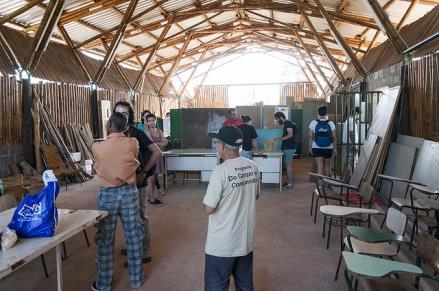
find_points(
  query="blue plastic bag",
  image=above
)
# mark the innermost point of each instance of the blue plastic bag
(36, 215)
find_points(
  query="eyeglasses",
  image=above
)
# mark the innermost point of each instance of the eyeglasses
(217, 142)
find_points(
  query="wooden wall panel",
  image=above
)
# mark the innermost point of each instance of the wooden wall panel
(211, 97)
(10, 111)
(423, 97)
(297, 92)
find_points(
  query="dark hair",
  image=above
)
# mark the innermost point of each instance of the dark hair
(118, 121)
(149, 116)
(246, 118)
(144, 112)
(279, 115)
(229, 112)
(130, 110)
(323, 110)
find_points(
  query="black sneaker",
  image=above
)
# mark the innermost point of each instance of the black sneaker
(284, 184)
(156, 202)
(93, 286)
(144, 261)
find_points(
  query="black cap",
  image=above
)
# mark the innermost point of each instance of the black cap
(229, 134)
(246, 118)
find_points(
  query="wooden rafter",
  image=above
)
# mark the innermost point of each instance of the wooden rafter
(106, 63)
(341, 41)
(312, 60)
(385, 25)
(323, 47)
(152, 53)
(69, 43)
(287, 8)
(175, 65)
(141, 51)
(117, 66)
(191, 75)
(19, 11)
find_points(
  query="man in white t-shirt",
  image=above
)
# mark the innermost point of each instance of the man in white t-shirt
(351, 138)
(230, 202)
(322, 138)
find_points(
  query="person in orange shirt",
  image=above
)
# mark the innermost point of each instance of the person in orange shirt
(116, 164)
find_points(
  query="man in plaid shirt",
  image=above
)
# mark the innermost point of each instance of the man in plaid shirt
(116, 164)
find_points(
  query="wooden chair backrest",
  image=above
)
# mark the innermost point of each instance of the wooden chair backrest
(52, 157)
(429, 250)
(366, 192)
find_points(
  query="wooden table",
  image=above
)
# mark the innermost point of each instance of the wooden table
(70, 222)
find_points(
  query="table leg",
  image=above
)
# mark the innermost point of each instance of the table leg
(59, 267)
(280, 174)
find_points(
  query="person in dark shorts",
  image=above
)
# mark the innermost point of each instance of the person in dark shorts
(249, 136)
(322, 138)
(289, 145)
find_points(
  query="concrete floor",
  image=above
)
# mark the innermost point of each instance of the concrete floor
(290, 253)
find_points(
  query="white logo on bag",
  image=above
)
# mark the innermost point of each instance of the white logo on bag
(28, 213)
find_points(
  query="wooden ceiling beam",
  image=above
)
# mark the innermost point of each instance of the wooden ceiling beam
(385, 25)
(287, 8)
(152, 53)
(117, 66)
(341, 41)
(88, 10)
(69, 43)
(171, 72)
(312, 59)
(310, 34)
(19, 11)
(42, 37)
(108, 60)
(323, 47)
(191, 76)
(141, 51)
(109, 31)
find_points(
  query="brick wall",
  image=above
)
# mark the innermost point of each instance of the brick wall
(390, 76)
(9, 155)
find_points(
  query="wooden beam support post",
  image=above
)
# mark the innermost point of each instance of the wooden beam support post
(69, 42)
(152, 53)
(312, 60)
(383, 21)
(42, 37)
(341, 41)
(108, 60)
(27, 128)
(175, 65)
(323, 47)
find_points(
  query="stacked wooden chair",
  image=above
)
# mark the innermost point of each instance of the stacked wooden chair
(57, 165)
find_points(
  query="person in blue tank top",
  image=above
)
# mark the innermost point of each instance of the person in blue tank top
(322, 138)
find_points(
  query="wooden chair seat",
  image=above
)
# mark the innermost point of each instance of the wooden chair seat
(378, 249)
(385, 284)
